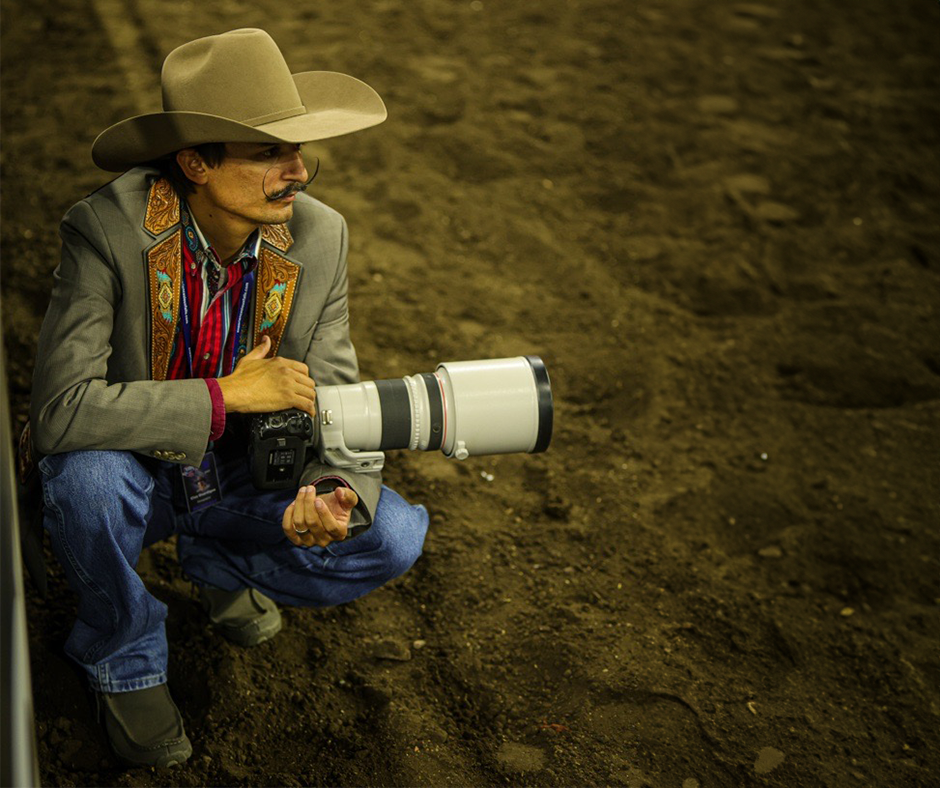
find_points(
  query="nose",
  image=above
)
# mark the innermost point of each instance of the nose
(294, 167)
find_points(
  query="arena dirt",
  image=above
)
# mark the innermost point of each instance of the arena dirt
(717, 224)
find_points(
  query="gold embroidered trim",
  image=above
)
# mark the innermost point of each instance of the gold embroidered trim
(277, 280)
(164, 267)
(163, 207)
(278, 236)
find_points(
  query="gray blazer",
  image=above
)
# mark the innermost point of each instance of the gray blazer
(105, 344)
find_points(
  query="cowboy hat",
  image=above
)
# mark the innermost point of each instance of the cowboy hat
(236, 87)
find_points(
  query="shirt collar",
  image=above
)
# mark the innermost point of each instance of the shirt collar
(247, 255)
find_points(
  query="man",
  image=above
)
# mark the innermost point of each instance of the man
(190, 293)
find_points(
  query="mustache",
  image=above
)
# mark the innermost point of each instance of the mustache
(292, 188)
(287, 192)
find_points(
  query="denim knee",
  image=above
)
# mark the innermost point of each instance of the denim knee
(111, 484)
(405, 528)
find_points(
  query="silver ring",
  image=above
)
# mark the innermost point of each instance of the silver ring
(305, 531)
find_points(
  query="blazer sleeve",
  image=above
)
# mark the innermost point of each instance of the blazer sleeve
(332, 360)
(73, 405)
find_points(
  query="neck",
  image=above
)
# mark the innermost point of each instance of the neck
(225, 232)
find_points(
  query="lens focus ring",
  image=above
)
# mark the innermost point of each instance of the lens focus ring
(417, 412)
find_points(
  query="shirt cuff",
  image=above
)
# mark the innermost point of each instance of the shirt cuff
(327, 484)
(218, 409)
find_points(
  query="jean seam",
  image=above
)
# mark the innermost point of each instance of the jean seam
(88, 656)
(276, 570)
(221, 508)
(129, 685)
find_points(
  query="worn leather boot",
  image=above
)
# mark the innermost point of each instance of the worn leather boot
(145, 727)
(246, 617)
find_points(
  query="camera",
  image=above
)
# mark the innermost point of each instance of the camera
(463, 409)
(278, 448)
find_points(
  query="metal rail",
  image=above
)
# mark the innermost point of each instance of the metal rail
(18, 761)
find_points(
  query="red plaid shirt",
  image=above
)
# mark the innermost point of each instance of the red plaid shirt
(213, 294)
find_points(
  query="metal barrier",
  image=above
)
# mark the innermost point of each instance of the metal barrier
(18, 762)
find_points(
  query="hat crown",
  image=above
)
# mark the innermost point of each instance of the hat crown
(240, 75)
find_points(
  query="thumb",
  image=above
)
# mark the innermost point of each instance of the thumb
(261, 349)
(347, 498)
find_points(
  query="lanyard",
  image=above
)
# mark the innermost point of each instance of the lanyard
(186, 321)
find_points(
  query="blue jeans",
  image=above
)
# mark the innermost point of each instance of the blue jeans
(103, 507)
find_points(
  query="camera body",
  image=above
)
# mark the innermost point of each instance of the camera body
(278, 448)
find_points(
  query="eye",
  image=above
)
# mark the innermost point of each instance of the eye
(270, 153)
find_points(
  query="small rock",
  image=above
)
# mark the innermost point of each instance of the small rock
(770, 552)
(846, 611)
(756, 11)
(717, 105)
(747, 184)
(391, 648)
(69, 749)
(419, 644)
(775, 212)
(768, 759)
(517, 757)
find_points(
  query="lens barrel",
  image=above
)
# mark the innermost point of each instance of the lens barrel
(463, 408)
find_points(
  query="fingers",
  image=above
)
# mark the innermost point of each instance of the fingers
(287, 525)
(297, 526)
(304, 404)
(337, 531)
(308, 521)
(322, 532)
(261, 349)
(296, 366)
(347, 498)
(304, 398)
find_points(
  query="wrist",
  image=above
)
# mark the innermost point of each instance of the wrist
(229, 394)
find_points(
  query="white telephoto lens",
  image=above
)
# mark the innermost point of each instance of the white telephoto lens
(464, 408)
(496, 406)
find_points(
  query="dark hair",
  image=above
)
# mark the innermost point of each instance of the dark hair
(212, 153)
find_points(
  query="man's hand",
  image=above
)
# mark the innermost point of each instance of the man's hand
(309, 520)
(262, 385)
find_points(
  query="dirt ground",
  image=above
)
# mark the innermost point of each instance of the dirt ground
(717, 224)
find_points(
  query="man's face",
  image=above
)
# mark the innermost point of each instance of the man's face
(250, 175)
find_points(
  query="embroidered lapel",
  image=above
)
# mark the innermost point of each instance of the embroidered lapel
(274, 291)
(163, 208)
(164, 269)
(278, 236)
(274, 296)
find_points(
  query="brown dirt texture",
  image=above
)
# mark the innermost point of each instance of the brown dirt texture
(717, 224)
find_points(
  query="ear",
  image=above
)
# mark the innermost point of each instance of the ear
(192, 165)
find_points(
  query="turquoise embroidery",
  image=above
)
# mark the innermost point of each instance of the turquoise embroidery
(165, 295)
(273, 305)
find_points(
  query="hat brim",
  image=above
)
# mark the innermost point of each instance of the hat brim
(336, 104)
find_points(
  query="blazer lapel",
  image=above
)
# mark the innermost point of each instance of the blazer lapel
(276, 282)
(276, 279)
(164, 269)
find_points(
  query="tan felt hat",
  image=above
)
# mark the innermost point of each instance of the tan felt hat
(236, 87)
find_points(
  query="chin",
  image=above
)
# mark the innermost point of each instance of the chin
(278, 213)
